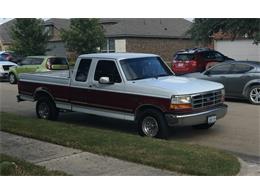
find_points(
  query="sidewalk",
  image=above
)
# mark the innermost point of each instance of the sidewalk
(77, 162)
(71, 161)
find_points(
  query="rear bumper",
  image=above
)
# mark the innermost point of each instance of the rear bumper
(195, 118)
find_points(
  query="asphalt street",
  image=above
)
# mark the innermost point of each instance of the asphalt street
(237, 132)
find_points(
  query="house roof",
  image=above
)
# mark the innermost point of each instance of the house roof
(58, 23)
(146, 27)
(122, 27)
(5, 32)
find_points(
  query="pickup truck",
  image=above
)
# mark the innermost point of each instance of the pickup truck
(129, 86)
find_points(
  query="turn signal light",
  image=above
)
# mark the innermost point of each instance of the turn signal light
(180, 106)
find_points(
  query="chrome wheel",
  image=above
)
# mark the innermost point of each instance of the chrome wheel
(44, 110)
(150, 126)
(255, 95)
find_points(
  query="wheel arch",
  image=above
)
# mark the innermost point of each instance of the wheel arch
(39, 92)
(143, 107)
(249, 85)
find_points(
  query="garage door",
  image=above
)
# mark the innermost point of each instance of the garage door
(239, 49)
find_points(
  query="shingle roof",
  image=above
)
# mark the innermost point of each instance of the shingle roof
(146, 27)
(58, 23)
(5, 32)
(123, 27)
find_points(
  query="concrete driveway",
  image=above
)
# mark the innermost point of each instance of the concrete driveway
(238, 132)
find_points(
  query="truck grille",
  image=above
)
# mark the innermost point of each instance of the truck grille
(206, 99)
(6, 67)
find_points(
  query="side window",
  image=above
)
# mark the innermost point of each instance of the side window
(219, 69)
(218, 56)
(26, 61)
(107, 68)
(241, 68)
(37, 61)
(83, 69)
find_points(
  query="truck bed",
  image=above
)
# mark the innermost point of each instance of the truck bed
(51, 77)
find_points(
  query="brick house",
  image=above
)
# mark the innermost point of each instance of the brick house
(150, 35)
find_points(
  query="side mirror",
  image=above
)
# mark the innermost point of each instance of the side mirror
(105, 80)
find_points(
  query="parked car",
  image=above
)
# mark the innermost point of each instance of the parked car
(128, 86)
(10, 56)
(196, 60)
(240, 78)
(37, 64)
(4, 68)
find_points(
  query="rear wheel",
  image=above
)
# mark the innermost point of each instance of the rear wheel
(12, 78)
(46, 109)
(254, 94)
(151, 123)
(203, 126)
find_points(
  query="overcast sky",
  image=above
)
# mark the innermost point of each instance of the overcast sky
(3, 20)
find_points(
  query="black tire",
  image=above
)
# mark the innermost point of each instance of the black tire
(158, 118)
(12, 78)
(250, 92)
(46, 109)
(203, 126)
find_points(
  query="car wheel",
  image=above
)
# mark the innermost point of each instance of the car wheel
(12, 78)
(203, 126)
(46, 109)
(151, 123)
(254, 94)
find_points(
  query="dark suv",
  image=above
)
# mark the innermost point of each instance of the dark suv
(196, 60)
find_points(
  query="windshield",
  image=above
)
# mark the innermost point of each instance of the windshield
(58, 61)
(184, 57)
(141, 68)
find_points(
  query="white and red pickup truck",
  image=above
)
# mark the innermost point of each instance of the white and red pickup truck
(129, 86)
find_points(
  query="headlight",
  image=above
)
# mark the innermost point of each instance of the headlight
(181, 102)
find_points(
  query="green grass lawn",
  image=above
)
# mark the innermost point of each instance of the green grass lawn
(10, 166)
(170, 155)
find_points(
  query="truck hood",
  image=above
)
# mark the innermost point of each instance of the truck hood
(174, 85)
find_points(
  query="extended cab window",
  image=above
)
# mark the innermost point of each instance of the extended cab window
(83, 69)
(107, 68)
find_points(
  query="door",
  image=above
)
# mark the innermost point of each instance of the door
(219, 73)
(109, 95)
(238, 78)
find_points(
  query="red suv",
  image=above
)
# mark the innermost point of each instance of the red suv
(196, 60)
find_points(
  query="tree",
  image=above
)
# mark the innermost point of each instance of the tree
(84, 35)
(202, 30)
(29, 37)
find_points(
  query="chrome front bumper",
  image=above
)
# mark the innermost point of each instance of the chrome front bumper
(195, 118)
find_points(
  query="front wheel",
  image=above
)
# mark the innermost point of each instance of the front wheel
(254, 94)
(151, 123)
(46, 109)
(12, 78)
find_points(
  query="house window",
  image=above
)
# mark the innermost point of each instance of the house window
(49, 30)
(109, 47)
